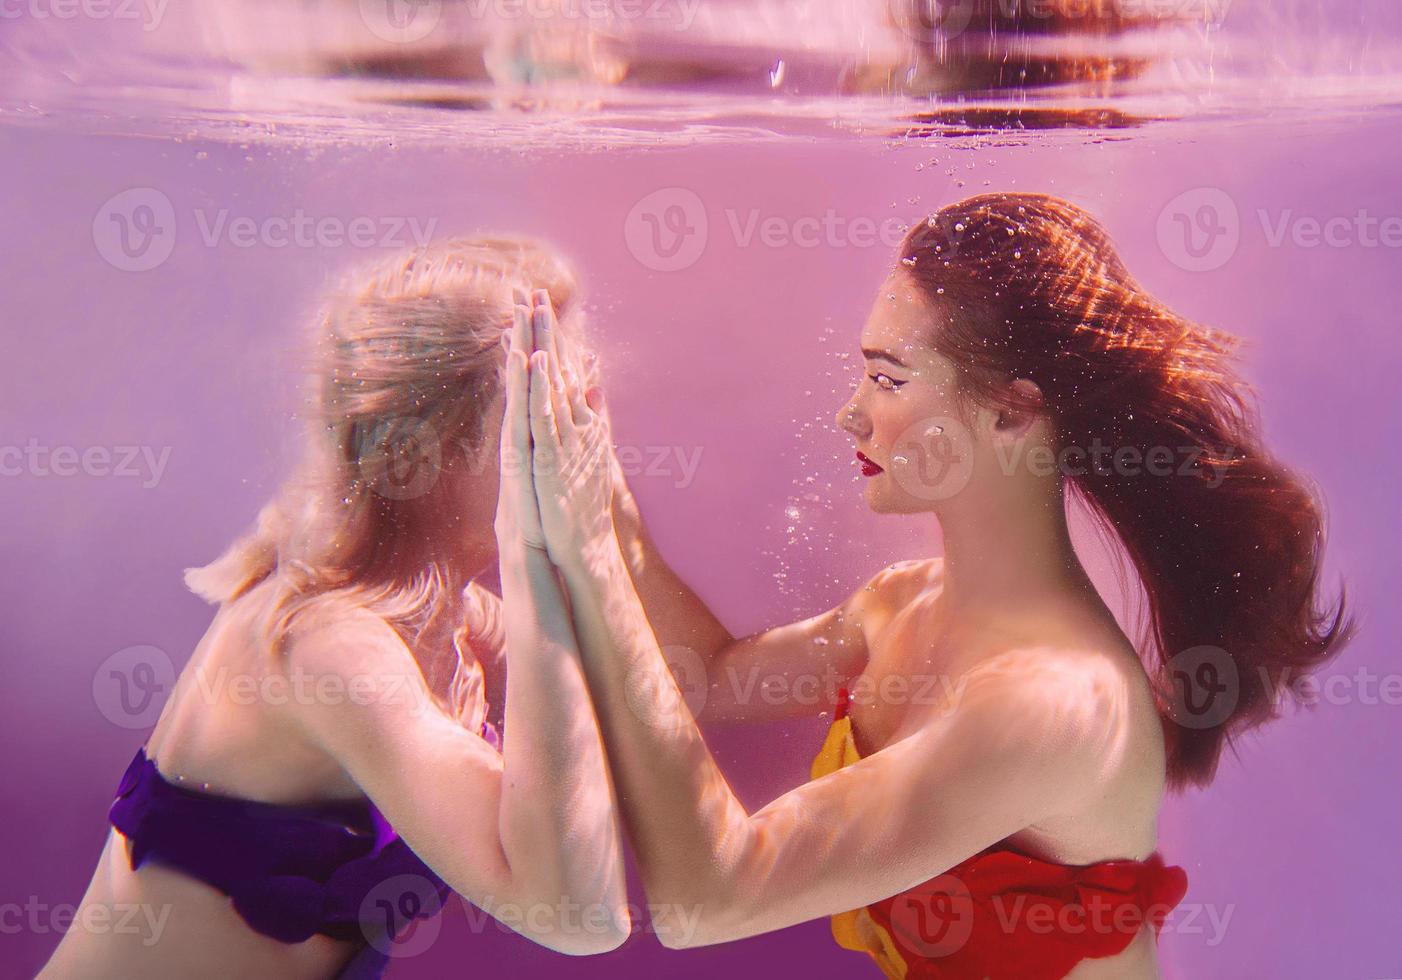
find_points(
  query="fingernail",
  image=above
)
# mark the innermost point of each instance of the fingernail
(542, 297)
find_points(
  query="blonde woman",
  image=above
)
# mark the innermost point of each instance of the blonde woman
(296, 832)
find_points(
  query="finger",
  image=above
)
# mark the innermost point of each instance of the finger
(560, 406)
(522, 336)
(543, 435)
(574, 392)
(544, 323)
(516, 431)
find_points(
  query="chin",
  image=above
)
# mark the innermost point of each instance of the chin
(879, 500)
(882, 500)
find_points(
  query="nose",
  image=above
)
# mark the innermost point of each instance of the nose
(854, 421)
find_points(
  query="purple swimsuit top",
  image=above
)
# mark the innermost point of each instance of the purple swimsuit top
(335, 869)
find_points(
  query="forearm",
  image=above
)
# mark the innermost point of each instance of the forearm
(557, 819)
(677, 614)
(684, 820)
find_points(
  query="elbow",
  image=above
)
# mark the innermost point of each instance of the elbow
(579, 946)
(679, 927)
(587, 941)
(687, 920)
(571, 927)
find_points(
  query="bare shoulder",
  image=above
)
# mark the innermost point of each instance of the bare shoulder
(899, 583)
(1072, 698)
(335, 635)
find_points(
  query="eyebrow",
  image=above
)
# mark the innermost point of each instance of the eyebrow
(881, 355)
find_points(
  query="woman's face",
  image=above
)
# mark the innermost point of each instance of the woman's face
(913, 443)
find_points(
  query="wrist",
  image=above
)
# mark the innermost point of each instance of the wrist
(592, 559)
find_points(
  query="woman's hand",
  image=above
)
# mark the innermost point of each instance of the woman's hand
(572, 459)
(517, 521)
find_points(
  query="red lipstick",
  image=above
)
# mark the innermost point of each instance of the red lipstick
(868, 467)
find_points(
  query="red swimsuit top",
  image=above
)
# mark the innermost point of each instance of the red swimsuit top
(1002, 914)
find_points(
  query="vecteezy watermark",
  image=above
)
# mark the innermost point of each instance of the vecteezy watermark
(668, 698)
(820, 688)
(136, 230)
(144, 463)
(1101, 459)
(401, 21)
(1201, 230)
(115, 919)
(399, 916)
(130, 687)
(929, 21)
(1205, 687)
(933, 459)
(936, 919)
(672, 702)
(148, 13)
(567, 917)
(669, 229)
(1363, 686)
(408, 21)
(399, 458)
(296, 685)
(402, 458)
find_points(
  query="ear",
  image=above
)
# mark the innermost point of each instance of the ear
(1027, 409)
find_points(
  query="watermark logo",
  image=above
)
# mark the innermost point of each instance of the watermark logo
(1205, 687)
(129, 687)
(1199, 230)
(930, 21)
(135, 230)
(148, 13)
(399, 916)
(934, 919)
(399, 458)
(141, 921)
(146, 464)
(667, 230)
(657, 700)
(401, 21)
(933, 459)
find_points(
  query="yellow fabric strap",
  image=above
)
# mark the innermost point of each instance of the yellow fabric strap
(855, 930)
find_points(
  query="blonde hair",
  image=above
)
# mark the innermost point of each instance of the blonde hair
(407, 365)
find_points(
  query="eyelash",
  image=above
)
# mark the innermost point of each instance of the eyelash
(894, 384)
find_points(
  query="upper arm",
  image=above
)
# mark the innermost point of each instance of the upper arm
(436, 782)
(1024, 739)
(794, 671)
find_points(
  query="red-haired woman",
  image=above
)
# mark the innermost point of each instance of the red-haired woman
(986, 801)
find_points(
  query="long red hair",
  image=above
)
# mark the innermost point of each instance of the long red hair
(1228, 550)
